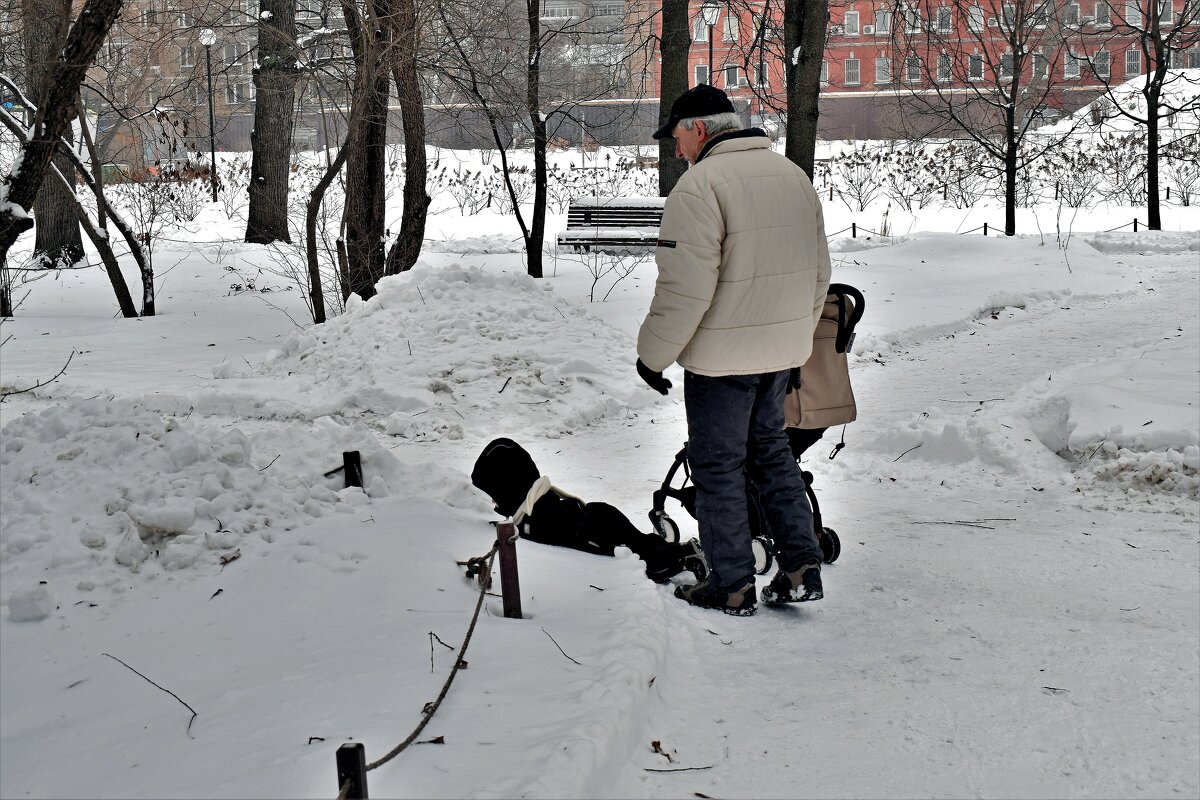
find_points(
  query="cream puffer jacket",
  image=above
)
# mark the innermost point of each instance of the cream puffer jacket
(743, 264)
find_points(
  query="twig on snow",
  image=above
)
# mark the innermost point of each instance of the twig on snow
(559, 648)
(168, 691)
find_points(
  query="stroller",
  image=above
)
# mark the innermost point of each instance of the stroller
(807, 421)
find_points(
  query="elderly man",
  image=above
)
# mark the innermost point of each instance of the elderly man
(743, 269)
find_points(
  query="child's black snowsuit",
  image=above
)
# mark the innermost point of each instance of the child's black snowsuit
(506, 473)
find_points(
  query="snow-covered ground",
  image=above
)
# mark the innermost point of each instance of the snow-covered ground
(1016, 612)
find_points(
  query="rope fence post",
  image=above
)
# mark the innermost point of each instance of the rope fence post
(853, 230)
(352, 771)
(352, 461)
(985, 229)
(1135, 224)
(510, 585)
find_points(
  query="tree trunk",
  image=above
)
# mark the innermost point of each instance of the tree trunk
(1011, 144)
(407, 247)
(316, 292)
(1153, 207)
(366, 164)
(537, 223)
(57, 239)
(673, 78)
(275, 80)
(54, 116)
(804, 25)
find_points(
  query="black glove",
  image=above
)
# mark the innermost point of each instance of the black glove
(654, 380)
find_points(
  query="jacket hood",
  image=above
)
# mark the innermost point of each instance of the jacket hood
(505, 472)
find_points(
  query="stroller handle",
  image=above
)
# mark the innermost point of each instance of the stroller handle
(845, 333)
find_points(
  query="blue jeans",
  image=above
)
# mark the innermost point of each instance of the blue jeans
(735, 432)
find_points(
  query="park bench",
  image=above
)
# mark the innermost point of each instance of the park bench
(614, 225)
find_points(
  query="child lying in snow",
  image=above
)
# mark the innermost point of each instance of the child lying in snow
(543, 513)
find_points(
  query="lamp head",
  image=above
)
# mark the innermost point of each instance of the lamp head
(709, 13)
(208, 37)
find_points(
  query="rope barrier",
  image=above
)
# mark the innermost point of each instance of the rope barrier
(430, 709)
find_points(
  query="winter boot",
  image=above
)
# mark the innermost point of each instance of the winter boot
(677, 558)
(739, 602)
(801, 586)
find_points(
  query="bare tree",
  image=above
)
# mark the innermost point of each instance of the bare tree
(673, 81)
(1151, 38)
(57, 237)
(406, 36)
(57, 107)
(987, 70)
(804, 26)
(275, 79)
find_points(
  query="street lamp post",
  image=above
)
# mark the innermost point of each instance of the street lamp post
(709, 13)
(208, 38)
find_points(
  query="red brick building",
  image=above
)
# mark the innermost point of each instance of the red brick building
(879, 54)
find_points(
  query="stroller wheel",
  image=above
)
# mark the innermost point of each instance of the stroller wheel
(831, 545)
(664, 526)
(763, 557)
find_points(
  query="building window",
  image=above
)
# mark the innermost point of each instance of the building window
(1102, 64)
(1177, 58)
(233, 94)
(1071, 66)
(761, 76)
(1194, 58)
(1133, 13)
(912, 68)
(699, 30)
(701, 74)
(975, 18)
(945, 19)
(883, 22)
(850, 20)
(1103, 16)
(824, 72)
(943, 68)
(1039, 65)
(187, 56)
(733, 76)
(1166, 12)
(1039, 15)
(149, 16)
(731, 28)
(1071, 14)
(609, 10)
(230, 55)
(975, 67)
(912, 20)
(1006, 65)
(185, 19)
(1133, 62)
(883, 70)
(851, 72)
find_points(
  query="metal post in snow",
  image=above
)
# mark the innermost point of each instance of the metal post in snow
(352, 461)
(352, 767)
(1135, 224)
(853, 230)
(985, 229)
(510, 586)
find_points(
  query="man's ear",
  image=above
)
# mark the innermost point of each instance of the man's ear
(703, 129)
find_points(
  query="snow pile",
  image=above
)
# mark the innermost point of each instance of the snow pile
(100, 483)
(440, 351)
(928, 275)
(1181, 88)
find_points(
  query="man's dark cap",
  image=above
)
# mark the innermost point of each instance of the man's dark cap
(699, 101)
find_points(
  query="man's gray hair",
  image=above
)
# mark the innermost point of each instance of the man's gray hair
(714, 123)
